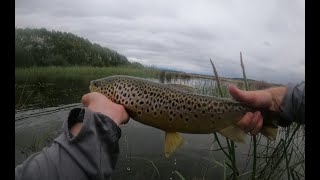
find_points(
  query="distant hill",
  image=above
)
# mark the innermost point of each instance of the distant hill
(40, 47)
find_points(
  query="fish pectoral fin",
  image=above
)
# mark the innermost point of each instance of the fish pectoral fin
(270, 132)
(234, 133)
(172, 142)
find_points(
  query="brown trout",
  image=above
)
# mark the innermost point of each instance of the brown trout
(172, 110)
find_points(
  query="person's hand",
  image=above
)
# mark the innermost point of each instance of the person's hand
(269, 98)
(99, 103)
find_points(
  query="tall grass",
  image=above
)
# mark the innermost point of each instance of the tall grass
(75, 72)
(274, 160)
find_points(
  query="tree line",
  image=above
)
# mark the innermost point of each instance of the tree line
(40, 47)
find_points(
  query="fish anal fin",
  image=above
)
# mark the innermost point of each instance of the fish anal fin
(234, 133)
(172, 142)
(270, 132)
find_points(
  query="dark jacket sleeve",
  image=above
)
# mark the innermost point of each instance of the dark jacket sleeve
(92, 154)
(292, 107)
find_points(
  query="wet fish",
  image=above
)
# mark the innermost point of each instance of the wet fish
(173, 110)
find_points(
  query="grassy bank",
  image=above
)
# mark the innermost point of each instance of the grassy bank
(33, 73)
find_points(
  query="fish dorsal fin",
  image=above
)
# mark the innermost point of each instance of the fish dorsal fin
(234, 133)
(183, 88)
(172, 142)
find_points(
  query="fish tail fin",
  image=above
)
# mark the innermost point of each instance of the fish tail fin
(172, 142)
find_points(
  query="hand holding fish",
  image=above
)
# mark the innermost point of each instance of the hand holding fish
(179, 111)
(99, 103)
(269, 98)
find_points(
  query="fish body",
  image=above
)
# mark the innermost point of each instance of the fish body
(172, 110)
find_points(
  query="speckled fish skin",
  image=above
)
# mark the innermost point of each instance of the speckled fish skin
(161, 106)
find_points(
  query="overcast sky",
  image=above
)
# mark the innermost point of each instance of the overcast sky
(184, 35)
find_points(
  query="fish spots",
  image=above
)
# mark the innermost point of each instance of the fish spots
(139, 112)
(186, 120)
(170, 120)
(215, 103)
(133, 95)
(131, 103)
(155, 114)
(181, 116)
(195, 115)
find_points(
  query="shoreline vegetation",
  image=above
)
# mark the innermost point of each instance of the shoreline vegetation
(43, 53)
(75, 72)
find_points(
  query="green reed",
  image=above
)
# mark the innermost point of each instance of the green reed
(270, 160)
(74, 72)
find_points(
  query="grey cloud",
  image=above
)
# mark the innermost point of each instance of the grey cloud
(185, 35)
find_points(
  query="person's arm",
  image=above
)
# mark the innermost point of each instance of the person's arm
(292, 108)
(87, 149)
(288, 100)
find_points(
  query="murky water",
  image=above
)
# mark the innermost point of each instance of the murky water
(44, 105)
